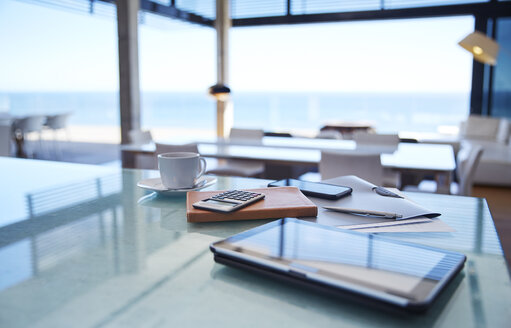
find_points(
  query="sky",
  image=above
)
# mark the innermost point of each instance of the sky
(51, 49)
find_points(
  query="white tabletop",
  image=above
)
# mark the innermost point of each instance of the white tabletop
(421, 157)
(269, 141)
(427, 157)
(413, 156)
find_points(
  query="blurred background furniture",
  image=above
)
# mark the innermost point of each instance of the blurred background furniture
(363, 138)
(239, 167)
(485, 129)
(467, 160)
(494, 168)
(278, 134)
(5, 139)
(190, 147)
(414, 158)
(246, 134)
(5, 118)
(347, 128)
(371, 141)
(25, 126)
(493, 135)
(140, 137)
(329, 134)
(56, 123)
(168, 148)
(364, 165)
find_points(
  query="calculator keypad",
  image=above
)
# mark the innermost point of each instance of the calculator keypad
(239, 195)
(229, 201)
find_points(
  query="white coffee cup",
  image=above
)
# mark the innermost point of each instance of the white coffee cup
(180, 170)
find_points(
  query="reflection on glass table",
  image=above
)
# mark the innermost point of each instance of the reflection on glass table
(81, 245)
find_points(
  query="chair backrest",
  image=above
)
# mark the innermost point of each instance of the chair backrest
(167, 148)
(468, 159)
(504, 131)
(152, 163)
(31, 123)
(365, 138)
(58, 121)
(246, 133)
(480, 127)
(140, 137)
(329, 134)
(364, 165)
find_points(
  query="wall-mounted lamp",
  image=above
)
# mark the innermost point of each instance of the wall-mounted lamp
(484, 49)
(220, 92)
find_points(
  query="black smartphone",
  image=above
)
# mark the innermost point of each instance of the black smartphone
(314, 189)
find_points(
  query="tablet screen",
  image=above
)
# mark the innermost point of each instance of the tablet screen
(373, 262)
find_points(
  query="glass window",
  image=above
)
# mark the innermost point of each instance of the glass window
(400, 75)
(177, 66)
(501, 100)
(61, 60)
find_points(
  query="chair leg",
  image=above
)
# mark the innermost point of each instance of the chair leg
(20, 142)
(29, 147)
(443, 182)
(68, 138)
(40, 154)
(56, 143)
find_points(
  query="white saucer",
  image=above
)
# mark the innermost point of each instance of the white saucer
(155, 184)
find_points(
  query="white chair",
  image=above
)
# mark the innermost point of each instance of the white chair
(467, 161)
(364, 138)
(140, 137)
(504, 131)
(246, 134)
(150, 162)
(56, 123)
(236, 167)
(143, 161)
(364, 165)
(485, 129)
(191, 147)
(25, 126)
(329, 134)
(168, 148)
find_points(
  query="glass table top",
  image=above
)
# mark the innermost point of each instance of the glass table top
(82, 246)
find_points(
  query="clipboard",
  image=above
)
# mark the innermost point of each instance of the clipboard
(365, 197)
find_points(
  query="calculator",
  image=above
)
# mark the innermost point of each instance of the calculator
(229, 201)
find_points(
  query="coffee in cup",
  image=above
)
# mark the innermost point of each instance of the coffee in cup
(181, 170)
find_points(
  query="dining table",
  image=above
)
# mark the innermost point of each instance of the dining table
(419, 159)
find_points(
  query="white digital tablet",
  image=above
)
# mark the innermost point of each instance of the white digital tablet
(402, 274)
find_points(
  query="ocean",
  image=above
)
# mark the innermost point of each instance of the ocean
(272, 111)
